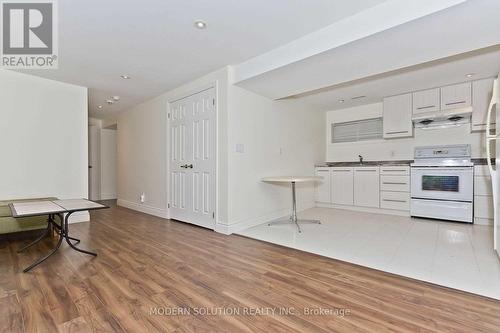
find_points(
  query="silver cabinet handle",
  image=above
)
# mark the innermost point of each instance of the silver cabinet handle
(394, 183)
(394, 200)
(341, 170)
(397, 132)
(394, 170)
(455, 103)
(369, 170)
(426, 107)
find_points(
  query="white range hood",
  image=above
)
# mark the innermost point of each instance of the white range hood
(443, 118)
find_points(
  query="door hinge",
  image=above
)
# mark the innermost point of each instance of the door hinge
(213, 215)
(168, 205)
(213, 101)
(169, 115)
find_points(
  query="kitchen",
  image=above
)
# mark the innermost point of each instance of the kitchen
(406, 187)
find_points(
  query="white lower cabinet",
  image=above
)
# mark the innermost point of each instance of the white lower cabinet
(367, 186)
(342, 186)
(483, 197)
(386, 188)
(323, 187)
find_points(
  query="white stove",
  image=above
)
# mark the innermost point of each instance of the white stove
(442, 183)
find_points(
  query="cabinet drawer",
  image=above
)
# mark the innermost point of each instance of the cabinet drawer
(395, 183)
(483, 207)
(395, 170)
(395, 200)
(482, 186)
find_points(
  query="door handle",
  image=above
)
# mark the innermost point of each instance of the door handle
(187, 166)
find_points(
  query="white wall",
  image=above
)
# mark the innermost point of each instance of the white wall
(108, 164)
(262, 125)
(43, 130)
(394, 149)
(142, 148)
(279, 138)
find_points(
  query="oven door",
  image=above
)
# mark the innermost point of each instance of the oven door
(442, 183)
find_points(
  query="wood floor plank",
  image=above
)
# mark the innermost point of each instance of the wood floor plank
(147, 263)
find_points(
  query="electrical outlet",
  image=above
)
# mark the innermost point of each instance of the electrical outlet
(240, 148)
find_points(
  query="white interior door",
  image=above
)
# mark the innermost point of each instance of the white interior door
(94, 163)
(193, 159)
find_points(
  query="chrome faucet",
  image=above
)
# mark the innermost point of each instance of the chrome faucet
(360, 159)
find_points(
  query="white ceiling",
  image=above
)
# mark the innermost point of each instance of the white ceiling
(484, 63)
(462, 28)
(154, 41)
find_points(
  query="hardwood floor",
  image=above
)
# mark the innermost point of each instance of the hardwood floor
(148, 267)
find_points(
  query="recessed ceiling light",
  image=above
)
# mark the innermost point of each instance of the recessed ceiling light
(470, 75)
(116, 98)
(125, 77)
(110, 101)
(200, 24)
(341, 101)
(99, 107)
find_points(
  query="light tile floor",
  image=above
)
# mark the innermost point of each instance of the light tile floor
(455, 255)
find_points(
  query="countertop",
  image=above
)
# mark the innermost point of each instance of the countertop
(476, 161)
(365, 163)
(482, 161)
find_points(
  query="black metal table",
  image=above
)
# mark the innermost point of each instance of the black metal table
(63, 209)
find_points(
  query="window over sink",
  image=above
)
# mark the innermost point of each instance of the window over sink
(360, 130)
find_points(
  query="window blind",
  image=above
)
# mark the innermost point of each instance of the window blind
(361, 130)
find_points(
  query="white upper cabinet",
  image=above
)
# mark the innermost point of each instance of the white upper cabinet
(397, 116)
(367, 187)
(342, 186)
(323, 187)
(456, 96)
(481, 96)
(426, 101)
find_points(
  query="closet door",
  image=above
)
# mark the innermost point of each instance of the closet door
(192, 159)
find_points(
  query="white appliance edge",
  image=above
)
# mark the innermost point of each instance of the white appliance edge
(495, 177)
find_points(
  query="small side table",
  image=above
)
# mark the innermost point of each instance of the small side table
(293, 180)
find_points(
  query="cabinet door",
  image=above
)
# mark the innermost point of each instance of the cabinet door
(483, 207)
(366, 187)
(456, 96)
(323, 187)
(482, 91)
(342, 186)
(426, 101)
(397, 116)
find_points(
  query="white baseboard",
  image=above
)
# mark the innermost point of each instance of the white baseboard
(78, 217)
(160, 212)
(108, 196)
(364, 209)
(228, 229)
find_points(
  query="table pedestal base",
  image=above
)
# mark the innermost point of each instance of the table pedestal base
(293, 218)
